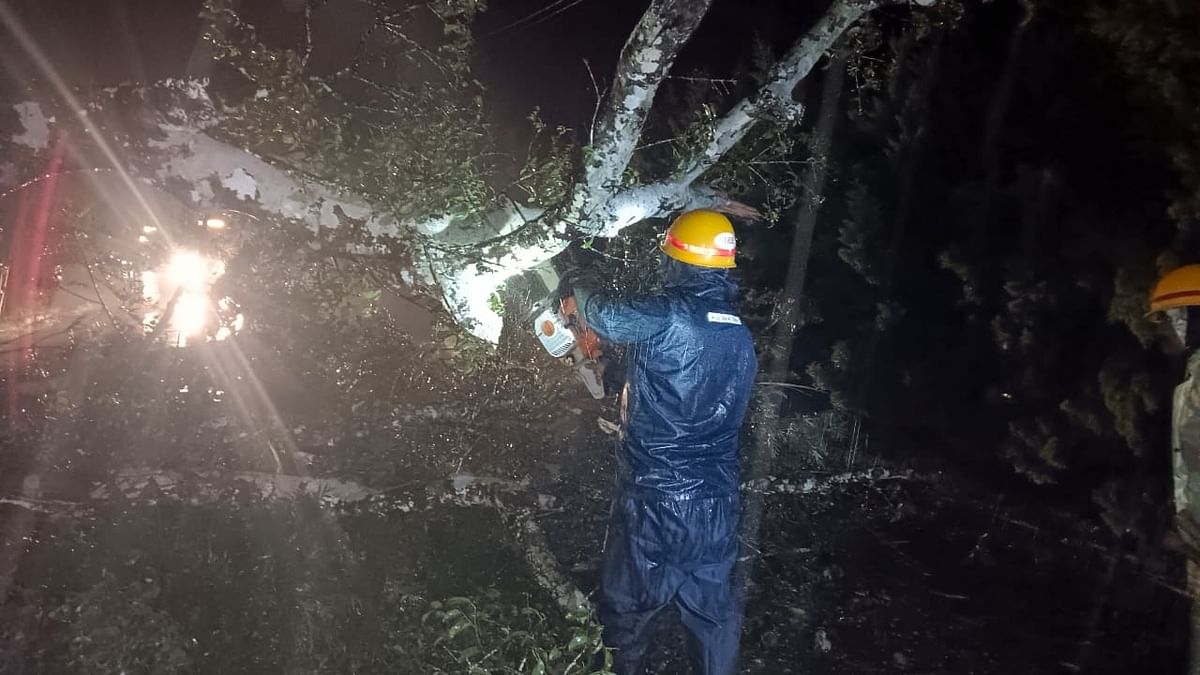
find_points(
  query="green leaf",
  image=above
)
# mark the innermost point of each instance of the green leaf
(458, 628)
(578, 641)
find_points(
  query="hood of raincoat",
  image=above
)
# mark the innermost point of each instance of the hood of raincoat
(690, 373)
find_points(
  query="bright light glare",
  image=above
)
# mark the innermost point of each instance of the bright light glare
(215, 223)
(150, 290)
(149, 229)
(191, 313)
(192, 274)
(189, 270)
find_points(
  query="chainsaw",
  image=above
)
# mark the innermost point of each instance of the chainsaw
(563, 332)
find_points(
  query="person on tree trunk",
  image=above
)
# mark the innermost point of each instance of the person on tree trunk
(672, 538)
(1177, 298)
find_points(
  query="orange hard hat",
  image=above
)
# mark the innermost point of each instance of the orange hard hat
(702, 238)
(1178, 288)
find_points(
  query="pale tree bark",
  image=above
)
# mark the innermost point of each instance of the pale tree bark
(517, 502)
(460, 262)
(775, 98)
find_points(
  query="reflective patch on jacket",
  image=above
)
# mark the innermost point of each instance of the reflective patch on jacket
(720, 317)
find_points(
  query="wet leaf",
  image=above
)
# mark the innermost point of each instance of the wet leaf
(458, 628)
(578, 641)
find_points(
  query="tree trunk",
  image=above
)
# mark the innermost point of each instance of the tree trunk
(909, 167)
(776, 364)
(989, 151)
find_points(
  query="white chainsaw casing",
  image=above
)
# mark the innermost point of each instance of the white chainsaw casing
(554, 335)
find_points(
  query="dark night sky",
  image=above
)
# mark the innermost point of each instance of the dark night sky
(110, 40)
(535, 63)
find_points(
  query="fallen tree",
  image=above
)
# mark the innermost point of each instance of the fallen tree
(403, 156)
(518, 503)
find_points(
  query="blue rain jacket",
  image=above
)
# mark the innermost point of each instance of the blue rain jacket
(691, 369)
(672, 539)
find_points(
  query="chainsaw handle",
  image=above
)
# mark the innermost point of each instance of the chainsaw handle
(589, 342)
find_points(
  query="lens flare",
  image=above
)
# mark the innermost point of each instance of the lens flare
(189, 270)
(190, 315)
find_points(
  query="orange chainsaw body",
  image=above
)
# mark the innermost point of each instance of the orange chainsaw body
(586, 338)
(564, 333)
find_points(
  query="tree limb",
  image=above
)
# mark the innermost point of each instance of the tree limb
(774, 98)
(645, 60)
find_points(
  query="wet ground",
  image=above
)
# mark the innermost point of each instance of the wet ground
(893, 576)
(915, 575)
(907, 575)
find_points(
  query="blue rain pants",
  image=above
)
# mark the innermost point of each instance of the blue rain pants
(672, 552)
(673, 535)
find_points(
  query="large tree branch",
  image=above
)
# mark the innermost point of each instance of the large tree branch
(645, 61)
(775, 97)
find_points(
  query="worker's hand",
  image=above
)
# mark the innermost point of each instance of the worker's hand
(577, 278)
(583, 295)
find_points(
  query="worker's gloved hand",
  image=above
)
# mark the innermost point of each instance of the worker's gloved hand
(582, 295)
(575, 279)
(581, 282)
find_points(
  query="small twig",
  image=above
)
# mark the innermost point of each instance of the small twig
(417, 47)
(656, 143)
(528, 17)
(599, 103)
(308, 43)
(71, 326)
(722, 80)
(87, 264)
(54, 174)
(789, 385)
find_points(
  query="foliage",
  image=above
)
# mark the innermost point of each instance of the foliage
(484, 636)
(1153, 42)
(402, 121)
(985, 286)
(256, 587)
(324, 377)
(118, 629)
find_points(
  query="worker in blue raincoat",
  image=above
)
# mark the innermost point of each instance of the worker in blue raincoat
(673, 535)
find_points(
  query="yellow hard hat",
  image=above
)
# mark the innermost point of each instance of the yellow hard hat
(702, 238)
(1178, 288)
